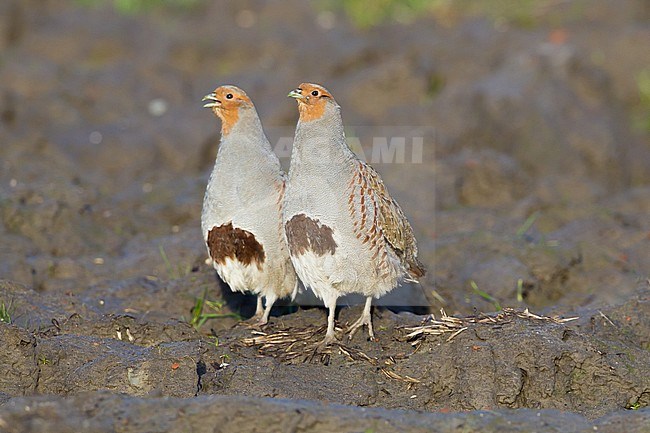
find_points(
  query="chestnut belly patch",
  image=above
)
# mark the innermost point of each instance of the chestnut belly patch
(228, 242)
(308, 234)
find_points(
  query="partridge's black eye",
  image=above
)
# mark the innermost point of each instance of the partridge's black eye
(314, 93)
(229, 96)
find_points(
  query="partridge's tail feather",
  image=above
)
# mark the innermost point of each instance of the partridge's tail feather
(415, 268)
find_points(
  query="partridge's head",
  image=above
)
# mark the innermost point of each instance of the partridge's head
(226, 102)
(313, 100)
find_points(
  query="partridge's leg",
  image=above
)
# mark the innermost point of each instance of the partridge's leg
(259, 310)
(270, 300)
(330, 337)
(254, 321)
(365, 319)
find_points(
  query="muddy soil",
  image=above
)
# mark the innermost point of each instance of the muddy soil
(530, 201)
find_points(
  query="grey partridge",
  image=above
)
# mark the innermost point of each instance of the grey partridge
(344, 231)
(242, 208)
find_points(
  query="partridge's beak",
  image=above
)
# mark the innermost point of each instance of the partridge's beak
(296, 93)
(214, 102)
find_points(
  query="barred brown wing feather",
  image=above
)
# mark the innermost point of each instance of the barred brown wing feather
(391, 221)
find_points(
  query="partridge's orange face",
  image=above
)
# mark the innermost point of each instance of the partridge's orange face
(312, 99)
(225, 102)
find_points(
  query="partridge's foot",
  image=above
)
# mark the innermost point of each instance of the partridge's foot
(365, 319)
(325, 346)
(255, 322)
(259, 319)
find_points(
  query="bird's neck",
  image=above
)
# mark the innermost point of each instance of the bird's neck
(320, 143)
(247, 131)
(243, 121)
(246, 146)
